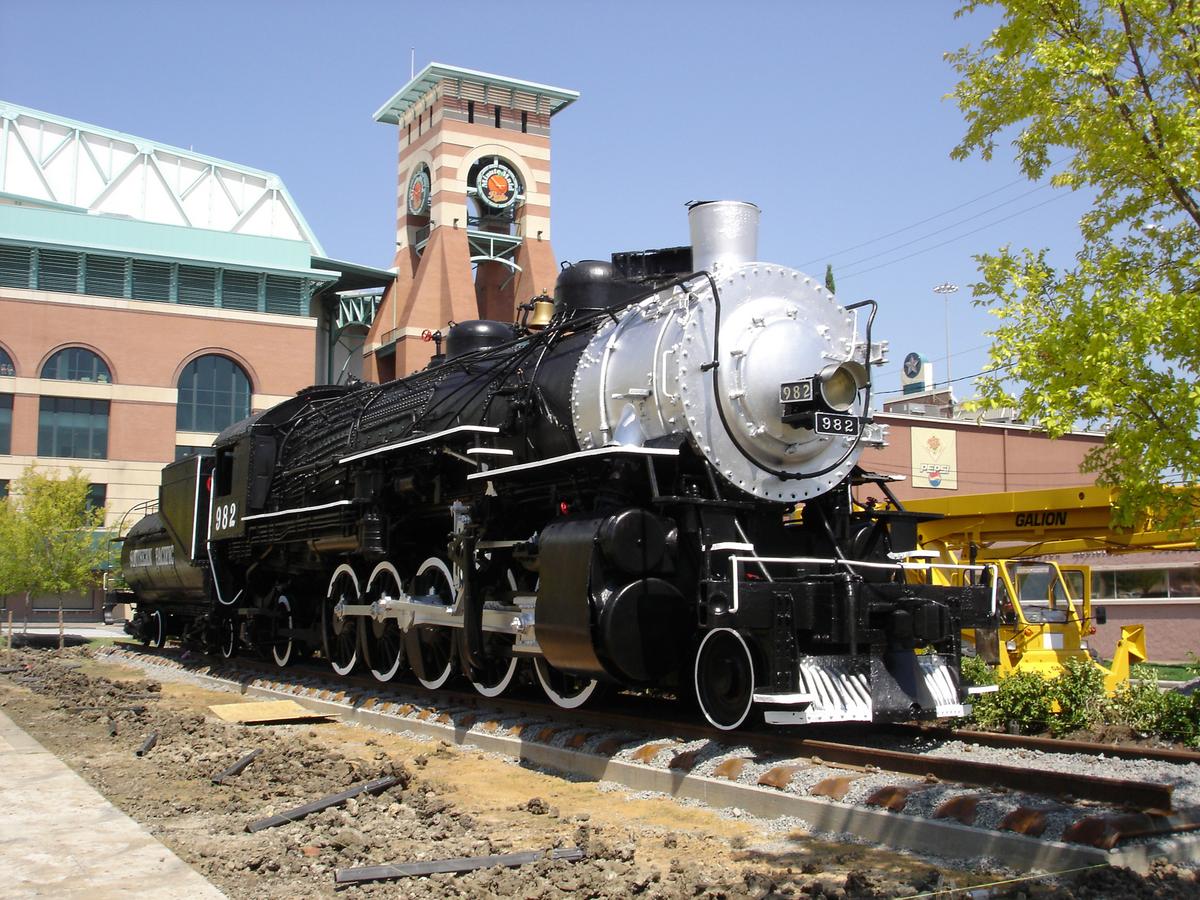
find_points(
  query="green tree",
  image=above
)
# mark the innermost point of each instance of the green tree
(829, 283)
(1110, 341)
(47, 536)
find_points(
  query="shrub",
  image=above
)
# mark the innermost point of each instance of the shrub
(1079, 693)
(976, 672)
(1140, 705)
(1023, 698)
(1180, 718)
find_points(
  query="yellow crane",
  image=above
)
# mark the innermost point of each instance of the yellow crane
(1046, 613)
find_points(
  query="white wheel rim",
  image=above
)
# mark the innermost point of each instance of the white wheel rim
(381, 675)
(502, 685)
(285, 658)
(228, 638)
(435, 683)
(542, 668)
(344, 568)
(435, 562)
(160, 637)
(696, 679)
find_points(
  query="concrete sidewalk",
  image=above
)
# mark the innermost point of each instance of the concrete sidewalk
(71, 630)
(46, 635)
(62, 839)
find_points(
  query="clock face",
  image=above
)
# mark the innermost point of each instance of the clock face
(497, 185)
(912, 365)
(418, 192)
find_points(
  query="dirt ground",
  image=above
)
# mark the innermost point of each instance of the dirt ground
(450, 802)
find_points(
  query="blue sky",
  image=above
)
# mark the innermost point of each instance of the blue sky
(829, 116)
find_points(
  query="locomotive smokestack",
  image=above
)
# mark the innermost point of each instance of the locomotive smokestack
(724, 233)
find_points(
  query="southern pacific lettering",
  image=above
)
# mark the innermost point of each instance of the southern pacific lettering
(1044, 519)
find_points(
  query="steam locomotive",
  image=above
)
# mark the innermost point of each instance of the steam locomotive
(649, 487)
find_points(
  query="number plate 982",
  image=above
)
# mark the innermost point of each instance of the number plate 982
(835, 424)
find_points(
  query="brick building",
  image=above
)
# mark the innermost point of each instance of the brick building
(149, 297)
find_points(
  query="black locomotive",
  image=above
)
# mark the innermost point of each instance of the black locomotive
(652, 490)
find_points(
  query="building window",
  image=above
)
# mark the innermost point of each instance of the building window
(239, 290)
(76, 364)
(58, 271)
(5, 424)
(97, 496)
(1146, 584)
(214, 393)
(470, 112)
(524, 122)
(16, 266)
(73, 427)
(183, 451)
(150, 280)
(104, 276)
(3, 488)
(497, 116)
(6, 364)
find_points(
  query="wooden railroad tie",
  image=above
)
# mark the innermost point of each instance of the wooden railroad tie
(370, 787)
(457, 866)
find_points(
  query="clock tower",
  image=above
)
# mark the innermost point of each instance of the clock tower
(473, 223)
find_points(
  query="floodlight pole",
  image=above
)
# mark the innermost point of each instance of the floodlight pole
(946, 288)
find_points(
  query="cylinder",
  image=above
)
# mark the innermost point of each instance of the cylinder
(724, 233)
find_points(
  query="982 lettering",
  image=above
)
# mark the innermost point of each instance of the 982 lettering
(837, 425)
(796, 391)
(225, 516)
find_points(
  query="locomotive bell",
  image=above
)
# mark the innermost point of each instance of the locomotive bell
(543, 312)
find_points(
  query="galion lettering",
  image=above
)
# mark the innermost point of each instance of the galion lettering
(1042, 519)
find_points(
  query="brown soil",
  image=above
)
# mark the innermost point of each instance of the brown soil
(450, 803)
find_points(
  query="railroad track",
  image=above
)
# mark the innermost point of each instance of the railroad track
(1044, 744)
(645, 731)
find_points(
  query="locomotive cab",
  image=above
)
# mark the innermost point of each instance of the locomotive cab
(241, 482)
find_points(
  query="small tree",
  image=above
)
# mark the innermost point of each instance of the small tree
(47, 536)
(829, 283)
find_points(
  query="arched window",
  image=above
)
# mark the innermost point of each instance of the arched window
(214, 393)
(73, 427)
(76, 364)
(6, 364)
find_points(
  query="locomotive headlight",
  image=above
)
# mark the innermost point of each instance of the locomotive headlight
(840, 385)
